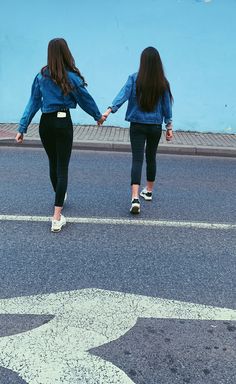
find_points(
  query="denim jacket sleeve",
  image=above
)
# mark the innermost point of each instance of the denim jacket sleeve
(123, 95)
(167, 107)
(86, 102)
(34, 104)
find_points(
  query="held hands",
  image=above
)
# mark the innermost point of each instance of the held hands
(101, 121)
(169, 132)
(104, 117)
(19, 137)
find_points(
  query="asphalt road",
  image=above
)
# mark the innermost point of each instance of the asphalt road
(192, 265)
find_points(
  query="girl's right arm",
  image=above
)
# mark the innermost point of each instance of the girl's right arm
(167, 113)
(85, 100)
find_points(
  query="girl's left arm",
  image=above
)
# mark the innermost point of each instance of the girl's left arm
(123, 95)
(32, 107)
(121, 98)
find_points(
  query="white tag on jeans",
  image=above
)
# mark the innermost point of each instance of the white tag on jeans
(61, 114)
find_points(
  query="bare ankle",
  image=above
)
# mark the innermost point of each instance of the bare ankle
(57, 213)
(56, 217)
(150, 185)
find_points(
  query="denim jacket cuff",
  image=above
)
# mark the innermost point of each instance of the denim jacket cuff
(98, 117)
(167, 121)
(113, 108)
(21, 129)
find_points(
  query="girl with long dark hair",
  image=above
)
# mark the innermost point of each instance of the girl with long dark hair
(149, 103)
(57, 88)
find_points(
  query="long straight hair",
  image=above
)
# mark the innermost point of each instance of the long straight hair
(59, 61)
(151, 82)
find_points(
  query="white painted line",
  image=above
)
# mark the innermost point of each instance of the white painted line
(58, 351)
(113, 221)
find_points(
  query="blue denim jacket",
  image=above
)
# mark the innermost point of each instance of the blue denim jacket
(48, 96)
(163, 110)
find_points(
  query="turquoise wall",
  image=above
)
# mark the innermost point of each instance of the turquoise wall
(196, 40)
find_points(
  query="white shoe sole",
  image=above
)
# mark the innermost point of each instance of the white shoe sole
(147, 198)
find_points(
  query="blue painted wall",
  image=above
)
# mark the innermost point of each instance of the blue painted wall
(196, 39)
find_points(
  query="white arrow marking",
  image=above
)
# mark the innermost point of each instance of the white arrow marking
(137, 221)
(57, 352)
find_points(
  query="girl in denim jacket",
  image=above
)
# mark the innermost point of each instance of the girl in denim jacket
(57, 88)
(149, 103)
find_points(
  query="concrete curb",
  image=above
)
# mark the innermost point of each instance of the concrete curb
(125, 147)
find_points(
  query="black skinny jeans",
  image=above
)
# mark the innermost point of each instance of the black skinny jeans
(139, 135)
(57, 136)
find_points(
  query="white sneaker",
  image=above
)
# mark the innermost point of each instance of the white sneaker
(58, 224)
(146, 195)
(135, 206)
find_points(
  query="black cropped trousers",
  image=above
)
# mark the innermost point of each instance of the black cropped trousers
(141, 135)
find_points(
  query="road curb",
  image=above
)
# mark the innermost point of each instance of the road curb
(125, 147)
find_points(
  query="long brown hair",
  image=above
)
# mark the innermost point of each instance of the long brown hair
(151, 81)
(61, 60)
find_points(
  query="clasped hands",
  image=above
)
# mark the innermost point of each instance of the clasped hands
(104, 117)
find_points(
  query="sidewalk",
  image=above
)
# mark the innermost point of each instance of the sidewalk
(108, 138)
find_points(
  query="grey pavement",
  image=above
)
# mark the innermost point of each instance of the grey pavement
(117, 139)
(192, 265)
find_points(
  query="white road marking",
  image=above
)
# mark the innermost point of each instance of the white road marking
(58, 352)
(136, 221)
